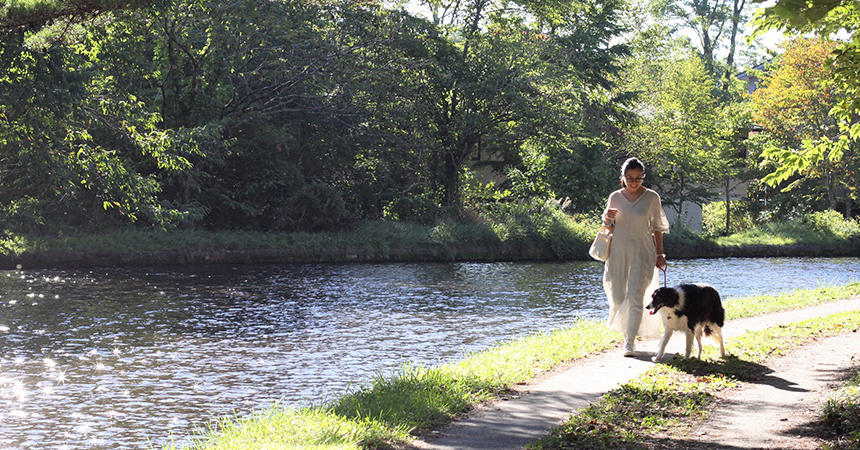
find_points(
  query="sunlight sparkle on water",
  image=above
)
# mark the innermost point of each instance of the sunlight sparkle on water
(19, 391)
(49, 363)
(84, 428)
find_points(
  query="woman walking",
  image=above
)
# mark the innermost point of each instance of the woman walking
(629, 275)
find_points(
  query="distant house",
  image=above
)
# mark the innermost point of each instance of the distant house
(751, 80)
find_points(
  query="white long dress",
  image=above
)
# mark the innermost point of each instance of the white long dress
(630, 275)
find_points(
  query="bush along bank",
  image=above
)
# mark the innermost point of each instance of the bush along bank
(529, 231)
(533, 230)
(390, 410)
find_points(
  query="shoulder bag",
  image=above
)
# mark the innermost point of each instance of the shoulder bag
(602, 243)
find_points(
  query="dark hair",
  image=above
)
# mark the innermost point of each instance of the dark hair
(631, 163)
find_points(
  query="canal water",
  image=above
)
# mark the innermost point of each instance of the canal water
(130, 357)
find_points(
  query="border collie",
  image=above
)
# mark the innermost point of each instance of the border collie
(691, 308)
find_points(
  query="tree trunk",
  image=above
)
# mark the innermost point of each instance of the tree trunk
(728, 208)
(831, 197)
(451, 185)
(737, 9)
(707, 50)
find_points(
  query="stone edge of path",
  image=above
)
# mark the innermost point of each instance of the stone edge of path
(547, 401)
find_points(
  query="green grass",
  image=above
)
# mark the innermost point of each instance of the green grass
(669, 398)
(418, 398)
(531, 230)
(130, 240)
(841, 413)
(800, 298)
(488, 237)
(825, 227)
(390, 409)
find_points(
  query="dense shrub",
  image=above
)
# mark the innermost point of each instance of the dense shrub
(420, 207)
(714, 217)
(823, 227)
(314, 207)
(830, 223)
(539, 220)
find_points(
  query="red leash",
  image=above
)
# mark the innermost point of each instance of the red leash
(665, 276)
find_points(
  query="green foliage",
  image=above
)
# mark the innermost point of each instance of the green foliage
(679, 134)
(16, 14)
(290, 115)
(714, 217)
(526, 222)
(841, 412)
(831, 223)
(800, 298)
(820, 81)
(827, 227)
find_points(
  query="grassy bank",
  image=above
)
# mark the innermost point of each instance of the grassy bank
(664, 403)
(823, 228)
(418, 398)
(530, 232)
(390, 410)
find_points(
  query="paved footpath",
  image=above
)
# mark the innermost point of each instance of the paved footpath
(776, 411)
(549, 401)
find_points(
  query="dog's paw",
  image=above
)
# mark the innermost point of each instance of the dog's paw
(656, 358)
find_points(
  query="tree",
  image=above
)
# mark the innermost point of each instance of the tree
(827, 18)
(514, 78)
(794, 107)
(708, 19)
(678, 131)
(16, 15)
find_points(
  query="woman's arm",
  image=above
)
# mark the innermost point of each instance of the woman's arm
(607, 216)
(658, 242)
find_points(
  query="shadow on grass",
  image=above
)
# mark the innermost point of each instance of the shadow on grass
(665, 443)
(734, 367)
(627, 415)
(831, 425)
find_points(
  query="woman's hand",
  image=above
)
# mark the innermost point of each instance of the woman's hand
(661, 261)
(610, 214)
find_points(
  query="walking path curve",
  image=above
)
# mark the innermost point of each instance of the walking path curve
(538, 407)
(779, 411)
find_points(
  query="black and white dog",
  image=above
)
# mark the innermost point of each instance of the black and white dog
(691, 308)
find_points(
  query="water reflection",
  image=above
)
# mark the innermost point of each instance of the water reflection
(108, 358)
